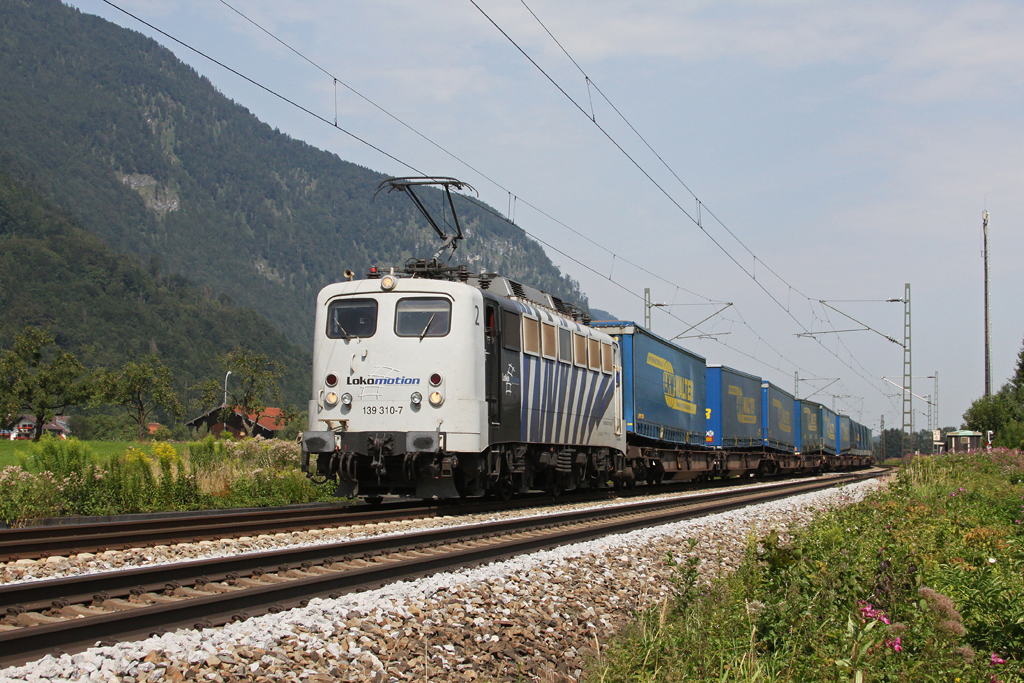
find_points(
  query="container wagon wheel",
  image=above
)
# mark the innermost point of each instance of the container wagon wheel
(505, 487)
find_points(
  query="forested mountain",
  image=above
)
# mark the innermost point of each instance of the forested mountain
(152, 159)
(106, 309)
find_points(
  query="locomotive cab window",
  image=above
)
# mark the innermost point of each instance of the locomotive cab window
(531, 336)
(510, 322)
(594, 355)
(548, 341)
(423, 317)
(580, 349)
(564, 345)
(352, 319)
(606, 358)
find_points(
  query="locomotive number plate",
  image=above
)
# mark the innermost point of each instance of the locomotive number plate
(382, 410)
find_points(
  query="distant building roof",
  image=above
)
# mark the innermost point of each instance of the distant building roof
(963, 432)
(270, 421)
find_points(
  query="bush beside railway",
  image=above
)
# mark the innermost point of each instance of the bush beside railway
(921, 582)
(60, 478)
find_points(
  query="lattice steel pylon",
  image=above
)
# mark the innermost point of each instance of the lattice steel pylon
(881, 442)
(908, 397)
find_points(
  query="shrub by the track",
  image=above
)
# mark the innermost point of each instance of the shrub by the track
(923, 582)
(67, 478)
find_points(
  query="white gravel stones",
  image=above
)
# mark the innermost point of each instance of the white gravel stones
(111, 560)
(535, 617)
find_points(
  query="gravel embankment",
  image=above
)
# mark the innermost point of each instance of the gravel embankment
(535, 617)
(59, 566)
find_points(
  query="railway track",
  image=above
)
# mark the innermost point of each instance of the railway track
(36, 542)
(74, 613)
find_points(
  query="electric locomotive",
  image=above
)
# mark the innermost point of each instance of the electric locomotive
(434, 382)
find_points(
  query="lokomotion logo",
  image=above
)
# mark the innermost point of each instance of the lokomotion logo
(382, 380)
(678, 390)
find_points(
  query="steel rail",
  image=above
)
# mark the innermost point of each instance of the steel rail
(44, 541)
(27, 643)
(36, 542)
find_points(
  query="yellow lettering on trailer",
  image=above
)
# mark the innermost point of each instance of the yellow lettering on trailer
(678, 390)
(746, 407)
(785, 417)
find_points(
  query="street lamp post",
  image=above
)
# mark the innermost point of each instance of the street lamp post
(226, 397)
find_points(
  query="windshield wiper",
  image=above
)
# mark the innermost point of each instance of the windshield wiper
(427, 326)
(337, 325)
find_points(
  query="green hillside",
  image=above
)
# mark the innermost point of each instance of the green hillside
(106, 309)
(151, 158)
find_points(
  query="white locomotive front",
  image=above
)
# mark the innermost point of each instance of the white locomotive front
(459, 385)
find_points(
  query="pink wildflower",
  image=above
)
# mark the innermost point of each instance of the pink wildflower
(996, 659)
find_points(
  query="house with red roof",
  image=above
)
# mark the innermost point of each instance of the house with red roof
(267, 426)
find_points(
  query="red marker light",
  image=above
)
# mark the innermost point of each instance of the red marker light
(435, 379)
(332, 379)
(373, 269)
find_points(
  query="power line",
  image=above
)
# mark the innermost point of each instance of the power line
(334, 124)
(614, 255)
(264, 88)
(699, 204)
(462, 161)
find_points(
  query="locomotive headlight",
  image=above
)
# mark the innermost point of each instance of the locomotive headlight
(416, 398)
(331, 399)
(346, 399)
(436, 398)
(387, 283)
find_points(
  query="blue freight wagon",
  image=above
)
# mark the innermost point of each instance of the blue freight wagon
(734, 419)
(663, 407)
(777, 420)
(844, 442)
(780, 417)
(860, 447)
(808, 427)
(844, 435)
(663, 386)
(828, 431)
(733, 408)
(808, 434)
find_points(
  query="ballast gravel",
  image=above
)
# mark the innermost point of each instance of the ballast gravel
(536, 617)
(59, 566)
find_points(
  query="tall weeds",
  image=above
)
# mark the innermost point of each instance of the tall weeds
(66, 478)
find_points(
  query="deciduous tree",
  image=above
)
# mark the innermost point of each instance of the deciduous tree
(254, 382)
(40, 380)
(141, 388)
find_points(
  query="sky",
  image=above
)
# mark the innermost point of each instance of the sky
(838, 151)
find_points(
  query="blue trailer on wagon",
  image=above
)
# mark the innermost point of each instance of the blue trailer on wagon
(734, 419)
(663, 406)
(780, 427)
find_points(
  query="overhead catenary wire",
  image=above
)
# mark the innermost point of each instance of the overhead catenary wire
(264, 88)
(514, 198)
(699, 204)
(416, 170)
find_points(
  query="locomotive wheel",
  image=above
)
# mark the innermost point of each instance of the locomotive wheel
(505, 488)
(374, 500)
